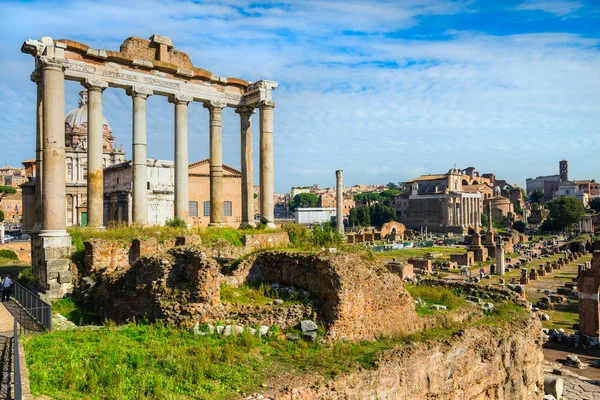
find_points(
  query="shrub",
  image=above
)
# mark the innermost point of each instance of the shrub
(9, 254)
(176, 223)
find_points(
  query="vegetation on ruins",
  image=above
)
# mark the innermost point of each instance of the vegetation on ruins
(303, 200)
(564, 212)
(520, 226)
(536, 196)
(303, 238)
(594, 204)
(434, 295)
(176, 223)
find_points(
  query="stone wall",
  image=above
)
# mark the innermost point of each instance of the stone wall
(403, 270)
(588, 283)
(463, 259)
(478, 364)
(422, 263)
(361, 300)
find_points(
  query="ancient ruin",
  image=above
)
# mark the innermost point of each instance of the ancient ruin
(588, 285)
(143, 68)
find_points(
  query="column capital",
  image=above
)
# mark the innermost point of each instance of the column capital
(243, 110)
(51, 63)
(180, 99)
(137, 91)
(214, 104)
(266, 104)
(94, 84)
(36, 76)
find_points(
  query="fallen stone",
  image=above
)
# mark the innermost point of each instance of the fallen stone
(227, 331)
(251, 331)
(293, 337)
(308, 325)
(545, 317)
(474, 299)
(263, 330)
(574, 361)
(220, 329)
(438, 307)
(277, 302)
(310, 336)
(238, 330)
(553, 386)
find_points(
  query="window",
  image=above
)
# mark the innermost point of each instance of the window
(227, 209)
(193, 208)
(69, 171)
(206, 207)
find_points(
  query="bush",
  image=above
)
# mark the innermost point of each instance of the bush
(520, 226)
(320, 236)
(8, 254)
(176, 223)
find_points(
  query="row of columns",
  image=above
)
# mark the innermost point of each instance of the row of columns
(463, 213)
(50, 155)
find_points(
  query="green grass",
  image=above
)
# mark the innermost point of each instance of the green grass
(8, 254)
(421, 252)
(434, 295)
(259, 294)
(71, 310)
(154, 361)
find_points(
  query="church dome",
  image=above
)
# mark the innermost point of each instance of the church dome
(76, 125)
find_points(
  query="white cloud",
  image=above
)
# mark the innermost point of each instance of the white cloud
(560, 8)
(512, 105)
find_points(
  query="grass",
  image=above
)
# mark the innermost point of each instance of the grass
(421, 252)
(259, 294)
(154, 361)
(71, 310)
(434, 295)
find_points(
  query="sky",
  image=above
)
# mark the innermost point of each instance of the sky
(384, 90)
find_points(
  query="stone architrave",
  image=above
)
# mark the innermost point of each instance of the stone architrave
(267, 172)
(95, 174)
(247, 164)
(139, 157)
(181, 155)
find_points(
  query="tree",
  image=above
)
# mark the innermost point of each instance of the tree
(519, 226)
(564, 212)
(484, 220)
(392, 186)
(517, 208)
(304, 200)
(380, 214)
(536, 196)
(1, 216)
(4, 190)
(594, 204)
(367, 198)
(360, 216)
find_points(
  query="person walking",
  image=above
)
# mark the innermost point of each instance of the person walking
(6, 285)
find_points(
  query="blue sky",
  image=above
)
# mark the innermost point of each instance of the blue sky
(385, 90)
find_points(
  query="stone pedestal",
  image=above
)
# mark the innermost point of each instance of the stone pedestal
(499, 258)
(476, 239)
(533, 274)
(51, 264)
(541, 271)
(555, 265)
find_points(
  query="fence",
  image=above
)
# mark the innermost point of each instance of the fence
(17, 371)
(35, 308)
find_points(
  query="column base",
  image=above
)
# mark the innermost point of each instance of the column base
(51, 252)
(270, 225)
(247, 223)
(217, 224)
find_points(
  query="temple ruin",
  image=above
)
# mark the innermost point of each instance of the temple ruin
(143, 68)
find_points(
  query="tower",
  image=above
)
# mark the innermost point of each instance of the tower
(563, 167)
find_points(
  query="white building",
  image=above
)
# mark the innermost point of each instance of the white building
(314, 215)
(118, 186)
(570, 189)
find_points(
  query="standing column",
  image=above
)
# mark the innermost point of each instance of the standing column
(477, 216)
(245, 113)
(39, 148)
(139, 155)
(339, 214)
(54, 201)
(216, 162)
(181, 155)
(455, 205)
(95, 177)
(267, 173)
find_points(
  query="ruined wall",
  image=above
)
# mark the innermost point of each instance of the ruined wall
(263, 240)
(178, 287)
(588, 282)
(361, 300)
(477, 364)
(463, 258)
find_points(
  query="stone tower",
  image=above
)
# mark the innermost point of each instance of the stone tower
(563, 167)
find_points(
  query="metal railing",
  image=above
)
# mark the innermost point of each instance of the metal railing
(36, 308)
(18, 391)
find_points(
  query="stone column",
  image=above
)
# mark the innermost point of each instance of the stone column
(216, 162)
(54, 200)
(499, 258)
(139, 160)
(39, 148)
(245, 113)
(455, 205)
(267, 173)
(339, 218)
(477, 216)
(95, 177)
(181, 155)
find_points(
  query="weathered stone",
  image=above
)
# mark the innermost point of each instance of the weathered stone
(553, 385)
(310, 336)
(308, 326)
